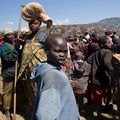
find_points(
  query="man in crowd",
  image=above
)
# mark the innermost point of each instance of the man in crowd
(101, 71)
(8, 56)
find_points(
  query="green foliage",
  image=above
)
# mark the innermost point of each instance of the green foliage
(0, 32)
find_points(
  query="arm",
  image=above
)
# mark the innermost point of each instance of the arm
(49, 103)
(107, 61)
(76, 66)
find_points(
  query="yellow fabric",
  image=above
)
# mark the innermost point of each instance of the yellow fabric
(116, 56)
(32, 11)
(32, 53)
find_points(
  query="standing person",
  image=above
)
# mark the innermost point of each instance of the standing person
(55, 98)
(101, 71)
(78, 62)
(8, 56)
(33, 50)
(33, 53)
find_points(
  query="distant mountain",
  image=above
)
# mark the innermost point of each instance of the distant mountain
(115, 21)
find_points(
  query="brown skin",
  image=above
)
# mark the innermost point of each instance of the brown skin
(79, 55)
(109, 42)
(34, 26)
(56, 49)
(9, 38)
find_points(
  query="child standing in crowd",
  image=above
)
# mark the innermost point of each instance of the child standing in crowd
(78, 63)
(55, 99)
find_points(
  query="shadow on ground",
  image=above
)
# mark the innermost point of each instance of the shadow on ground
(101, 114)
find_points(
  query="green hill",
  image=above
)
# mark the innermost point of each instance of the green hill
(115, 21)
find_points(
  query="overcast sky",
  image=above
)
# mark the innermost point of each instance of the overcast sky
(61, 11)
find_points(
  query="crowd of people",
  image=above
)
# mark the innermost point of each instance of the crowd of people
(57, 72)
(93, 70)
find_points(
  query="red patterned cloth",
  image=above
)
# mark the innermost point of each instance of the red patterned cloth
(99, 95)
(1, 40)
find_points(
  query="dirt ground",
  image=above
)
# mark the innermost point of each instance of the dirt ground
(104, 115)
(113, 115)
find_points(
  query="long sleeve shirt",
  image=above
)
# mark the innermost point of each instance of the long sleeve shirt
(55, 98)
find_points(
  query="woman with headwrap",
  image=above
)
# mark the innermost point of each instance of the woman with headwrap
(33, 51)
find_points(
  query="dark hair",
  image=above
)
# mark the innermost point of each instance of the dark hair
(5, 38)
(108, 33)
(114, 33)
(47, 44)
(102, 41)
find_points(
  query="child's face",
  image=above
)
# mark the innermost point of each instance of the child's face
(79, 56)
(58, 51)
(10, 37)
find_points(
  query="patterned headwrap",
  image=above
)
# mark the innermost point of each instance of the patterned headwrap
(33, 11)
